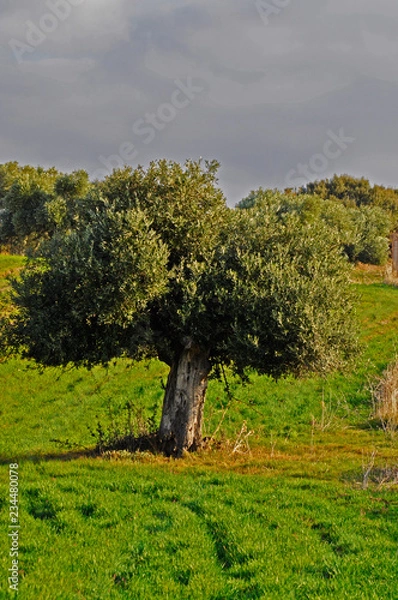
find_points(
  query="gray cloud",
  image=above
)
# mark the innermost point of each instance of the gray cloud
(271, 92)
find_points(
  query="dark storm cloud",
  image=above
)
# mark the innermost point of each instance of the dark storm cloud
(104, 80)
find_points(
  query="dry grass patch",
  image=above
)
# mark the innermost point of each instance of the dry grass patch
(385, 399)
(368, 274)
(391, 276)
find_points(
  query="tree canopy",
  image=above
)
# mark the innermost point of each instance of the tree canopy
(156, 264)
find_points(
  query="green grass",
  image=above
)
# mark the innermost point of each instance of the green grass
(9, 265)
(96, 529)
(285, 515)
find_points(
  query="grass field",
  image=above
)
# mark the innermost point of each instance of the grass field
(292, 502)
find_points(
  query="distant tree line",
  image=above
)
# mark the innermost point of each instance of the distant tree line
(36, 202)
(363, 215)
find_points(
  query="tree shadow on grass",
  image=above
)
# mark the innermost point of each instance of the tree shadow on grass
(148, 443)
(145, 443)
(49, 456)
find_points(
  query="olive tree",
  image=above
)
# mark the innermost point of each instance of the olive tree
(158, 265)
(363, 231)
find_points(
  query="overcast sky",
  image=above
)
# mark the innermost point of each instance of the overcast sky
(278, 91)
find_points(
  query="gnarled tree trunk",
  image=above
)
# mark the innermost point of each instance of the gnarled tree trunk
(181, 424)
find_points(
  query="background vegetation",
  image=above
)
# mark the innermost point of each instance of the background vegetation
(34, 202)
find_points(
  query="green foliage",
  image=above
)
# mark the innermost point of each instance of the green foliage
(10, 173)
(184, 204)
(35, 202)
(73, 185)
(352, 191)
(90, 289)
(155, 259)
(250, 200)
(26, 201)
(373, 226)
(387, 199)
(69, 191)
(363, 231)
(282, 286)
(25, 192)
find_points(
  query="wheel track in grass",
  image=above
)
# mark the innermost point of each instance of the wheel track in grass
(227, 551)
